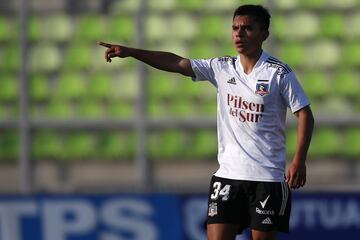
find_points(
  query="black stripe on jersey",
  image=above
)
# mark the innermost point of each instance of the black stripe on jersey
(277, 62)
(260, 80)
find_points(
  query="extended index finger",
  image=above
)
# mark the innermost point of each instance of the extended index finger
(108, 45)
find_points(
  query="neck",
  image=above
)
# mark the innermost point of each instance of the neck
(248, 61)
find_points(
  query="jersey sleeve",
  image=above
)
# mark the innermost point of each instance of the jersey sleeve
(293, 93)
(203, 70)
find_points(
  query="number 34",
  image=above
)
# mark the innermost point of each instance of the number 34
(222, 192)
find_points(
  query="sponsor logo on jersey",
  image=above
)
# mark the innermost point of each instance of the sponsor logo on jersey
(267, 221)
(262, 87)
(264, 212)
(246, 111)
(232, 81)
(212, 209)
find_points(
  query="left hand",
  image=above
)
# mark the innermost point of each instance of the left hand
(296, 174)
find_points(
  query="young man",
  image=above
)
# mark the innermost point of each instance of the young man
(254, 91)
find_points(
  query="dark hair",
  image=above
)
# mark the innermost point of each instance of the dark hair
(260, 14)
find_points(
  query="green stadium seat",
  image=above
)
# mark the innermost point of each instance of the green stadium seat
(99, 86)
(90, 28)
(191, 5)
(121, 109)
(115, 146)
(346, 83)
(122, 28)
(183, 109)
(297, 26)
(45, 58)
(59, 28)
(166, 145)
(162, 85)
(70, 86)
(351, 143)
(332, 25)
(39, 88)
(46, 145)
(90, 109)
(79, 57)
(190, 89)
(327, 55)
(351, 54)
(175, 46)
(208, 109)
(9, 87)
(35, 28)
(336, 104)
(12, 55)
(157, 28)
(325, 143)
(180, 21)
(293, 54)
(287, 4)
(9, 146)
(316, 84)
(215, 27)
(7, 34)
(352, 30)
(162, 5)
(203, 145)
(158, 109)
(79, 146)
(124, 7)
(313, 3)
(344, 4)
(291, 142)
(57, 109)
(126, 85)
(204, 50)
(224, 5)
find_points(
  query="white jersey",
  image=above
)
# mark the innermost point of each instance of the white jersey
(251, 115)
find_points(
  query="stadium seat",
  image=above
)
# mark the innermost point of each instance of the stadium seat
(90, 28)
(79, 146)
(157, 27)
(336, 105)
(59, 28)
(90, 109)
(316, 84)
(70, 86)
(293, 54)
(9, 85)
(126, 85)
(39, 88)
(190, 89)
(224, 5)
(352, 30)
(162, 5)
(58, 109)
(191, 5)
(180, 21)
(332, 25)
(115, 146)
(166, 145)
(345, 4)
(158, 109)
(162, 85)
(99, 86)
(286, 4)
(208, 109)
(183, 109)
(9, 146)
(6, 29)
(215, 27)
(203, 145)
(122, 28)
(204, 50)
(313, 3)
(291, 142)
(351, 143)
(351, 54)
(124, 7)
(327, 55)
(79, 57)
(45, 58)
(346, 83)
(121, 109)
(10, 52)
(325, 142)
(46, 145)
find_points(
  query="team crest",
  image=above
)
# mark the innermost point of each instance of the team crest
(262, 87)
(212, 209)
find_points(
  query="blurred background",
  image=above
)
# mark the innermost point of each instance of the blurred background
(72, 123)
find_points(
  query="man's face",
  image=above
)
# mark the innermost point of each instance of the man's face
(247, 35)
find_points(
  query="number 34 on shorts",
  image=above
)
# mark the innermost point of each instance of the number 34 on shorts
(220, 191)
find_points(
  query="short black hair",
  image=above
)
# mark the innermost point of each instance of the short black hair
(261, 14)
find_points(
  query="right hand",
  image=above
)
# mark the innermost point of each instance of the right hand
(114, 51)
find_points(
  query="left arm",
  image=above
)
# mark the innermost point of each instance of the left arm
(296, 175)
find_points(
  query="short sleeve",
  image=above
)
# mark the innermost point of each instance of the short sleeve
(203, 70)
(293, 93)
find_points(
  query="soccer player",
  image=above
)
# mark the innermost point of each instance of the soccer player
(254, 89)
